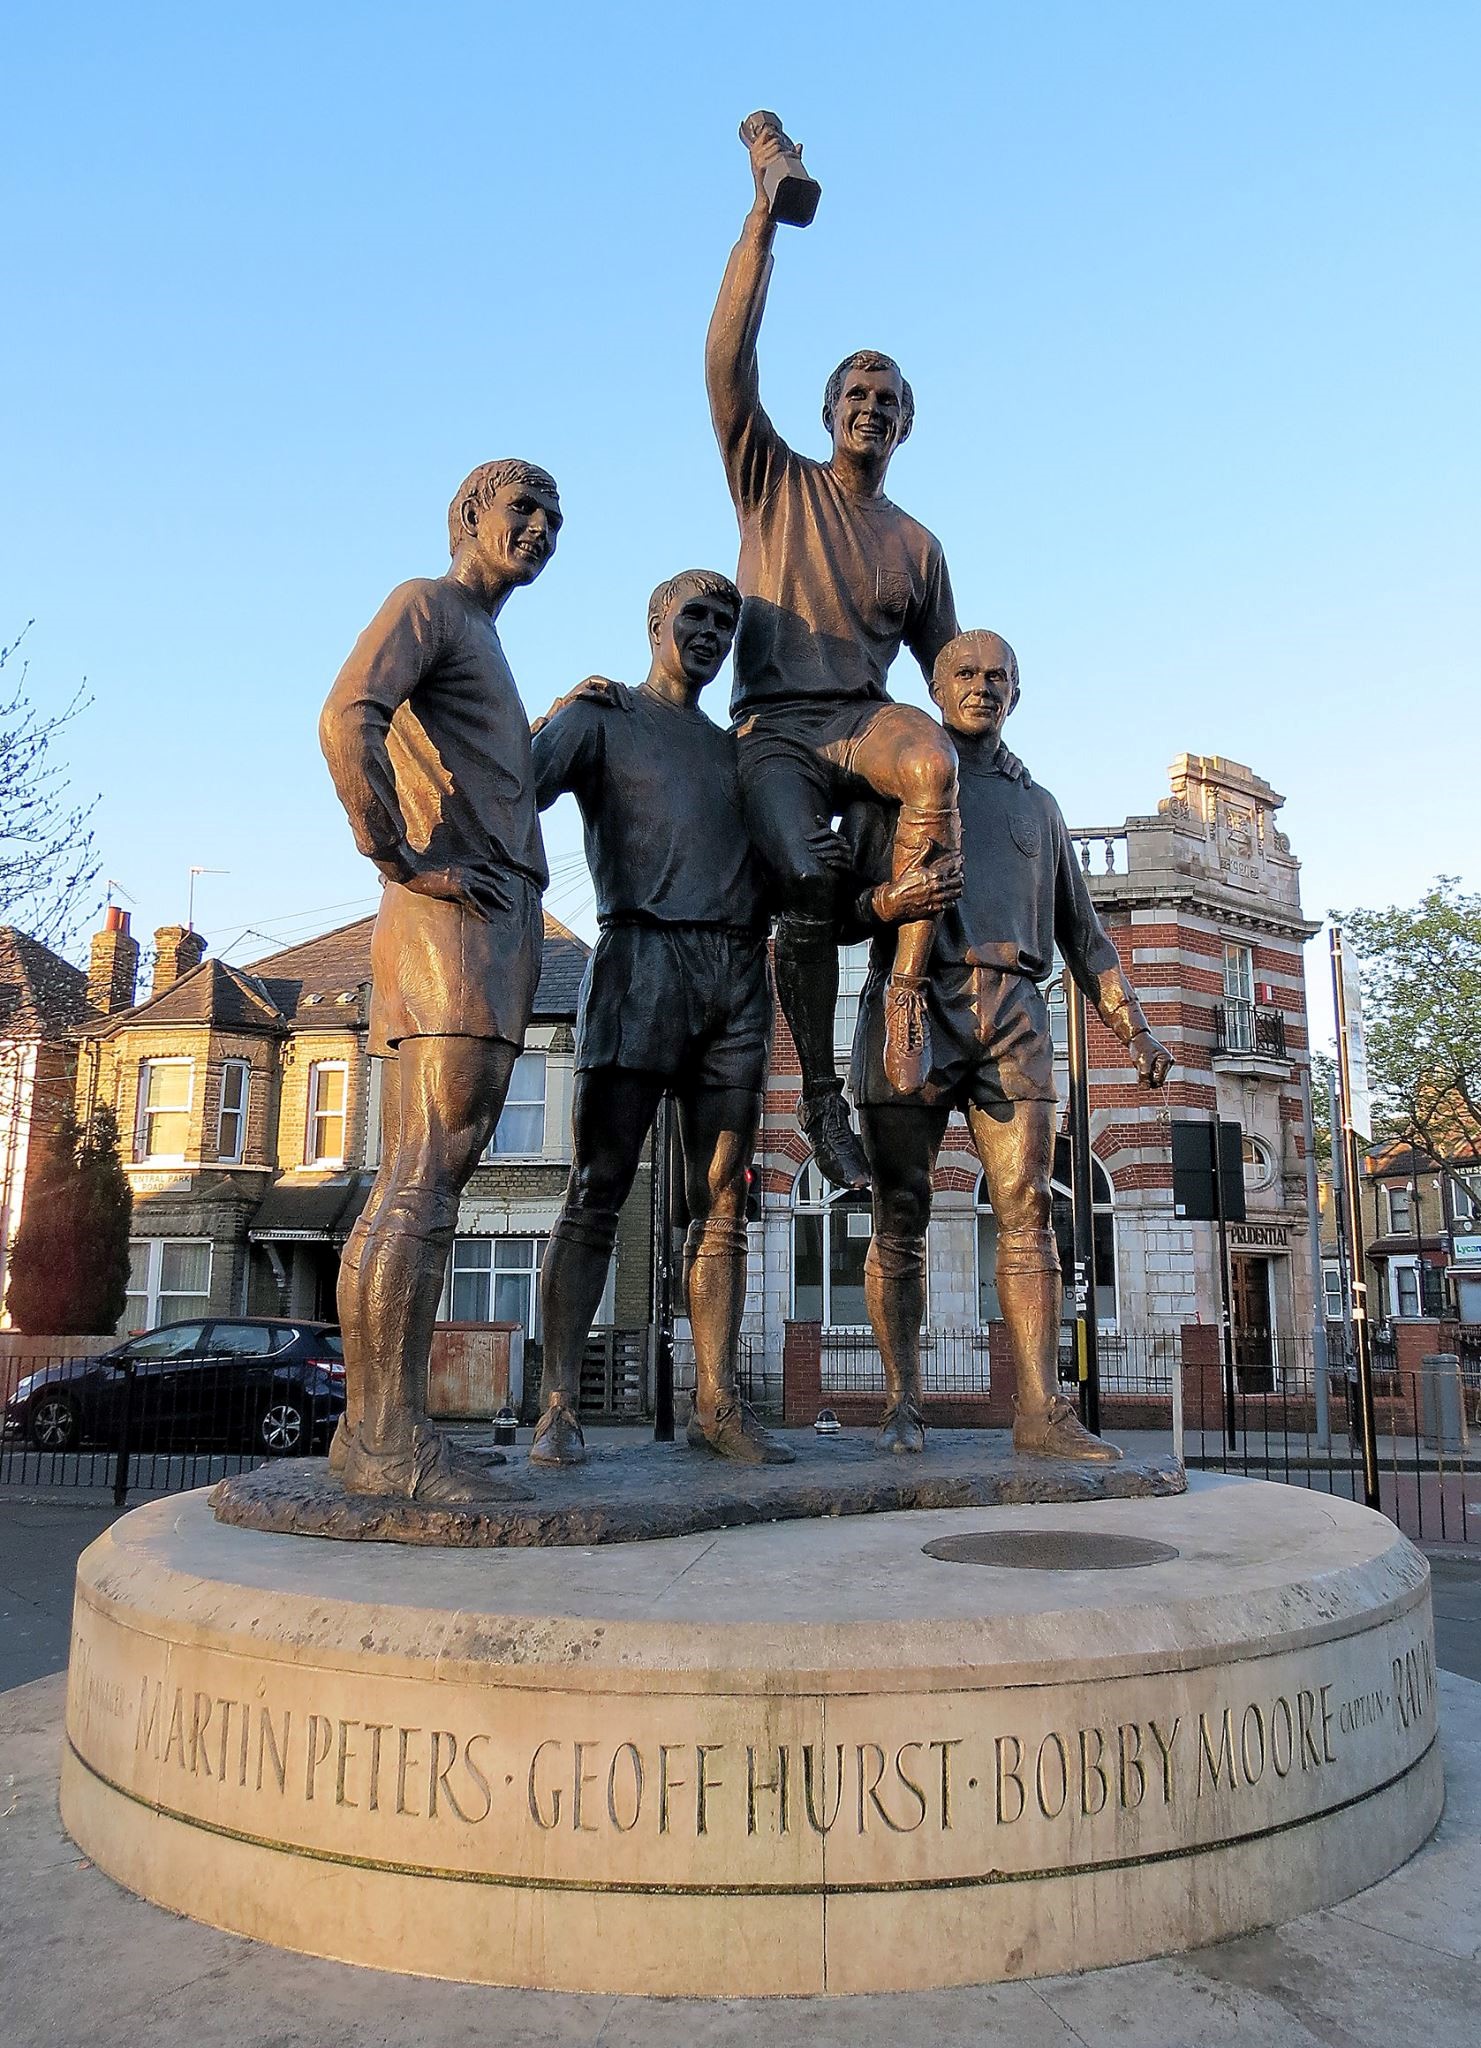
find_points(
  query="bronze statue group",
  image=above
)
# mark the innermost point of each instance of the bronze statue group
(824, 813)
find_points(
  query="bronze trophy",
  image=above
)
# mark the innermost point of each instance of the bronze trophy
(791, 191)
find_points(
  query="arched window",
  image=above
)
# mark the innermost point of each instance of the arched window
(830, 1239)
(989, 1309)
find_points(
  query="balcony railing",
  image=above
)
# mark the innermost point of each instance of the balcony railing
(1245, 1027)
(1110, 843)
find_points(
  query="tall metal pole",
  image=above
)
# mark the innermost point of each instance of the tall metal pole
(1357, 1268)
(1320, 1387)
(663, 1272)
(1082, 1190)
(1226, 1322)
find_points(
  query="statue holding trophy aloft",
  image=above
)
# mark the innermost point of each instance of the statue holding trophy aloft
(836, 579)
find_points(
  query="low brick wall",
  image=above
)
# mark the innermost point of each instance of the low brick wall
(803, 1395)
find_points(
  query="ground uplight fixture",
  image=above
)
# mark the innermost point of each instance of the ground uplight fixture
(504, 1425)
(827, 1423)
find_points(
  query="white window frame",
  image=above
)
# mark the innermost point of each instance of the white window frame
(853, 972)
(143, 1112)
(1239, 996)
(311, 1153)
(223, 1156)
(536, 1246)
(1259, 1172)
(150, 1295)
(1396, 1269)
(493, 1152)
(829, 1205)
(1405, 1195)
(1332, 1292)
(1239, 972)
(375, 1092)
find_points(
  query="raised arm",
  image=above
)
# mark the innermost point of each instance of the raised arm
(745, 434)
(1092, 959)
(934, 622)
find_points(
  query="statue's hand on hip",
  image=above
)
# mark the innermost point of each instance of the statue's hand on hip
(479, 894)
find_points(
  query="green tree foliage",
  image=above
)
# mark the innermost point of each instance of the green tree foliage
(69, 1265)
(1421, 973)
(1322, 1068)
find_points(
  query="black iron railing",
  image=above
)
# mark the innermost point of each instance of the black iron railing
(1246, 1027)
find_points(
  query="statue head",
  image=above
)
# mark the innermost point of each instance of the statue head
(975, 682)
(691, 622)
(868, 407)
(509, 514)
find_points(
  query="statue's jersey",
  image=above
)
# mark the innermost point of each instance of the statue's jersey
(834, 584)
(660, 802)
(1024, 891)
(427, 740)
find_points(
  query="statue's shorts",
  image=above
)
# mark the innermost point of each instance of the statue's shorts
(438, 971)
(990, 1041)
(797, 772)
(690, 1002)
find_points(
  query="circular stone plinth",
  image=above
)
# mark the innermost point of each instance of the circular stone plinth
(797, 1758)
(634, 1491)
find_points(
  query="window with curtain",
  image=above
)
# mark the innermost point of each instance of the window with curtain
(495, 1280)
(169, 1278)
(521, 1126)
(325, 1134)
(163, 1127)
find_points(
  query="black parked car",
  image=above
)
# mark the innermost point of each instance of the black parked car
(248, 1382)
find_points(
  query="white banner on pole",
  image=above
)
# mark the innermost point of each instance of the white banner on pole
(1360, 1100)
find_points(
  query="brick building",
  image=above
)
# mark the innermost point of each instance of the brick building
(1202, 899)
(1422, 1234)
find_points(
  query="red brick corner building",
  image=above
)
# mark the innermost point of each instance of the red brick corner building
(1202, 898)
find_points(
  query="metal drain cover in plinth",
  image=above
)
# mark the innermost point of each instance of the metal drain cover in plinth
(1051, 1550)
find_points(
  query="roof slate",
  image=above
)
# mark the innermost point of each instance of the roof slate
(212, 993)
(41, 995)
(340, 960)
(275, 993)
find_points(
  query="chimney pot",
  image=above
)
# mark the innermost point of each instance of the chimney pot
(177, 952)
(113, 965)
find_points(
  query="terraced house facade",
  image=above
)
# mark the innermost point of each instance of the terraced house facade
(249, 1111)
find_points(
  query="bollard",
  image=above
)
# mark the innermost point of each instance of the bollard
(1443, 1401)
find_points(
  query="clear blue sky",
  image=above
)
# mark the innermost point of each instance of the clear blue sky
(1188, 295)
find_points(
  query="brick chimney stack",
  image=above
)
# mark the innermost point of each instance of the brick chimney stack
(177, 950)
(113, 967)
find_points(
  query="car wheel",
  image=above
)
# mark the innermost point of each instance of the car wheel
(53, 1423)
(283, 1429)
